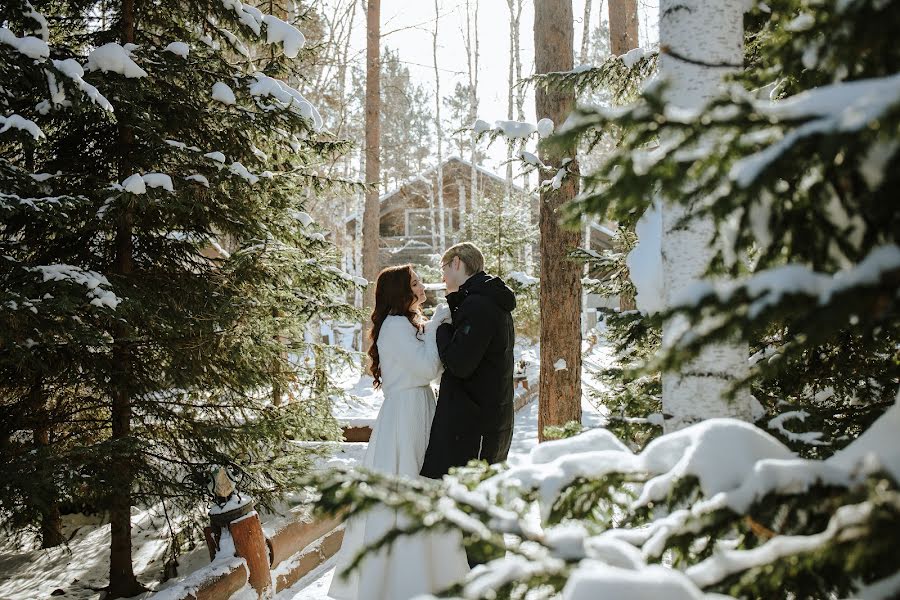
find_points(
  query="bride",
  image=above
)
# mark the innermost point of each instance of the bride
(404, 362)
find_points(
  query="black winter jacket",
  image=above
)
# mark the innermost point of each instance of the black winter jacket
(474, 415)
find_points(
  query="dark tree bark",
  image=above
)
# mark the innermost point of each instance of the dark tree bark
(51, 522)
(122, 581)
(371, 213)
(560, 295)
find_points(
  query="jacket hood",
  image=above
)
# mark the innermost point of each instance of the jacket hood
(493, 287)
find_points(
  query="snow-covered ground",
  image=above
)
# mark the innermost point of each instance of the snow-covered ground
(81, 568)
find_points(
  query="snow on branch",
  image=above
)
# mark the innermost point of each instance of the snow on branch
(112, 57)
(93, 281)
(21, 123)
(837, 108)
(767, 288)
(622, 76)
(277, 31)
(30, 46)
(286, 97)
(72, 69)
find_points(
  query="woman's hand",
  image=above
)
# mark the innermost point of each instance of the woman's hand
(441, 314)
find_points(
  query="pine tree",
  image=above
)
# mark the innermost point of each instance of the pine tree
(180, 266)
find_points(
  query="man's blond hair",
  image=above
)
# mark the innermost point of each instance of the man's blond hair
(468, 253)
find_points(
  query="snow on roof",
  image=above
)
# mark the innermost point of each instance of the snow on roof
(421, 178)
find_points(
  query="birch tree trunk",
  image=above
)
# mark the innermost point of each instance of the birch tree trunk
(473, 56)
(510, 83)
(708, 33)
(560, 288)
(371, 216)
(586, 32)
(442, 233)
(623, 26)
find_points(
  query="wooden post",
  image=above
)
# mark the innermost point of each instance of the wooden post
(250, 544)
(234, 511)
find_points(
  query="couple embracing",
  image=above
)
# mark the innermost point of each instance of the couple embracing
(469, 344)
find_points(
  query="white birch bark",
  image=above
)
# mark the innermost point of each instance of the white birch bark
(472, 49)
(586, 32)
(709, 33)
(442, 234)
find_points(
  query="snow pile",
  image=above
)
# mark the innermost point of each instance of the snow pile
(20, 122)
(875, 448)
(286, 97)
(134, 184)
(545, 128)
(277, 31)
(223, 93)
(801, 22)
(734, 462)
(595, 579)
(137, 183)
(557, 180)
(224, 563)
(72, 69)
(303, 217)
(645, 262)
(158, 180)
(30, 46)
(178, 48)
(480, 126)
(216, 156)
(632, 57)
(114, 58)
(199, 179)
(531, 158)
(241, 171)
(89, 279)
(515, 129)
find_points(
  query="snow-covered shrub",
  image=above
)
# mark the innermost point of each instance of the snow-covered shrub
(720, 507)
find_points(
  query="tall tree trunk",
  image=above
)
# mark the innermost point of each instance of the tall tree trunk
(122, 582)
(623, 36)
(473, 55)
(711, 33)
(371, 216)
(560, 290)
(586, 32)
(51, 522)
(510, 83)
(441, 217)
(623, 26)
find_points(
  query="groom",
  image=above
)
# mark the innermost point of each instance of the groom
(474, 414)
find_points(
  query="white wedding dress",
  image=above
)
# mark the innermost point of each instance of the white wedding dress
(422, 563)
